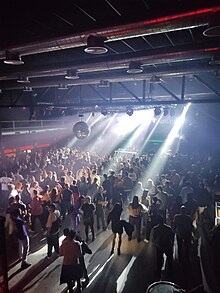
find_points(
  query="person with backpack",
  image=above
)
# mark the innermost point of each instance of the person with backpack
(53, 228)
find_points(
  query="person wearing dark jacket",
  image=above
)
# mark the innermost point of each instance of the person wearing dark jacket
(117, 227)
(183, 228)
(99, 200)
(163, 238)
(88, 209)
(22, 236)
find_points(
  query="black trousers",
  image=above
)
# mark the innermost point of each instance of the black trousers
(91, 225)
(169, 254)
(52, 241)
(186, 242)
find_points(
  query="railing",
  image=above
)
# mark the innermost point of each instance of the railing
(7, 126)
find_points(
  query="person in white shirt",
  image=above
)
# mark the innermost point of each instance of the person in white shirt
(4, 194)
(69, 178)
(53, 229)
(37, 187)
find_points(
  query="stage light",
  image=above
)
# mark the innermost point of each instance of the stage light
(95, 45)
(104, 112)
(62, 87)
(157, 111)
(13, 58)
(72, 74)
(27, 89)
(165, 111)
(104, 83)
(81, 130)
(135, 67)
(155, 79)
(130, 111)
(23, 79)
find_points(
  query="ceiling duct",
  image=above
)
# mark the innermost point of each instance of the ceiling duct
(176, 54)
(182, 21)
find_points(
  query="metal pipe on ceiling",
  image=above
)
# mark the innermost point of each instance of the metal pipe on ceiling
(164, 24)
(116, 78)
(175, 54)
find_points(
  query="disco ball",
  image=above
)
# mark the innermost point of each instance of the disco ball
(81, 130)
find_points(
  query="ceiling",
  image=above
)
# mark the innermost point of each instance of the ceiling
(164, 37)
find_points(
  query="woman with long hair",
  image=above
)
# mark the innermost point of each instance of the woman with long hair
(135, 210)
(114, 217)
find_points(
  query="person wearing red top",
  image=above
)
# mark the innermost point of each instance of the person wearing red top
(36, 210)
(71, 271)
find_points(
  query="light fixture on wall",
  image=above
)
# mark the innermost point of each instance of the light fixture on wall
(13, 58)
(135, 67)
(95, 45)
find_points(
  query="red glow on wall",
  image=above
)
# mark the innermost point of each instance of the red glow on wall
(25, 148)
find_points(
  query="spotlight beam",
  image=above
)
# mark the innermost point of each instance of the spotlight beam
(160, 157)
(150, 134)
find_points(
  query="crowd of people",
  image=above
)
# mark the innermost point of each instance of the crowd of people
(96, 190)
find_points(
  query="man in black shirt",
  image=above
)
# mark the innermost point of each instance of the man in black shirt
(183, 228)
(163, 238)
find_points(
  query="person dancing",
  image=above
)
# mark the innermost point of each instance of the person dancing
(117, 226)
